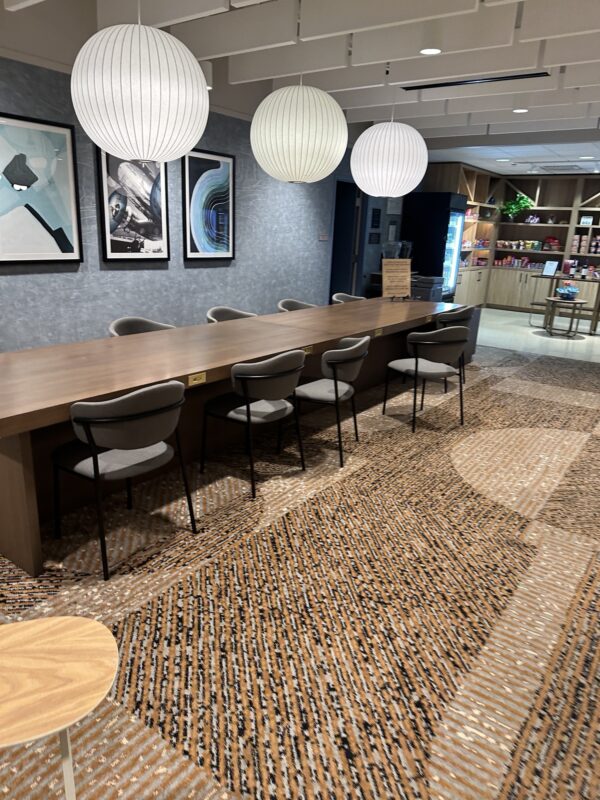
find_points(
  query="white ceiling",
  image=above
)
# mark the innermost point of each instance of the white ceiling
(366, 52)
(568, 158)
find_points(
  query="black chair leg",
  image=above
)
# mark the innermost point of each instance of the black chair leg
(462, 409)
(203, 445)
(101, 536)
(129, 490)
(423, 394)
(279, 436)
(56, 503)
(186, 485)
(385, 393)
(339, 431)
(299, 434)
(250, 457)
(445, 385)
(354, 417)
(415, 389)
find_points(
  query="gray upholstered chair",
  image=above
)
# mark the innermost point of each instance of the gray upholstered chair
(293, 305)
(340, 367)
(121, 439)
(462, 316)
(432, 354)
(263, 393)
(225, 313)
(342, 297)
(124, 326)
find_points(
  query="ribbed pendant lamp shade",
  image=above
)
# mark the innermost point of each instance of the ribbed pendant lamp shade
(389, 159)
(139, 93)
(299, 134)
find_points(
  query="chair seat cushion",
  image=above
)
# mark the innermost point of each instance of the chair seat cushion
(231, 406)
(323, 391)
(430, 370)
(113, 465)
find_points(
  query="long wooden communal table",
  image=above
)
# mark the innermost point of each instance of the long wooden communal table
(38, 386)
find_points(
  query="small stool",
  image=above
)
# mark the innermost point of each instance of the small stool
(53, 672)
(556, 304)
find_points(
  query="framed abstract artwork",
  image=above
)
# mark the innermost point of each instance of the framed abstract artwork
(134, 213)
(208, 201)
(39, 205)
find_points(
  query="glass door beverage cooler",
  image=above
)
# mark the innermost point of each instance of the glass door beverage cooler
(434, 222)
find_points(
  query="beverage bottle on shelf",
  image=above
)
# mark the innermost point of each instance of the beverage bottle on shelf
(584, 270)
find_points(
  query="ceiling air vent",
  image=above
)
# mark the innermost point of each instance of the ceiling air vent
(561, 168)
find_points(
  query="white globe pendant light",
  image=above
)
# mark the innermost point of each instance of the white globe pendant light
(139, 93)
(389, 159)
(299, 134)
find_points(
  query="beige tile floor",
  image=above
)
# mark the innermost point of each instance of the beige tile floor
(510, 330)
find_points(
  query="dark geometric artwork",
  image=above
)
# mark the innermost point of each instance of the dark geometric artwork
(208, 202)
(134, 209)
(39, 219)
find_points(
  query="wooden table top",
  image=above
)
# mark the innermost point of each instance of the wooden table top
(53, 672)
(38, 386)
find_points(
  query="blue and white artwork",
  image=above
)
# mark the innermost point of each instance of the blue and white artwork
(39, 219)
(134, 209)
(209, 192)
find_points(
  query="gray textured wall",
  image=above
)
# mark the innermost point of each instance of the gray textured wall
(278, 252)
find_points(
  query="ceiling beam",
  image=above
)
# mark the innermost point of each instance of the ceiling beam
(499, 60)
(582, 75)
(304, 57)
(499, 102)
(367, 98)
(545, 20)
(339, 80)
(243, 30)
(17, 5)
(157, 13)
(571, 50)
(435, 109)
(544, 125)
(575, 111)
(489, 27)
(321, 18)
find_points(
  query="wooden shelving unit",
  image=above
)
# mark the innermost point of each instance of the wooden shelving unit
(559, 200)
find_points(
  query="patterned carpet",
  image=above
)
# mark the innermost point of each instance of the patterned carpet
(421, 624)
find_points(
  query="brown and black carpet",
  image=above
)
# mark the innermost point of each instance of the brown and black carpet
(421, 624)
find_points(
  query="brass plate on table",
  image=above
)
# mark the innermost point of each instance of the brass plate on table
(197, 378)
(308, 349)
(377, 331)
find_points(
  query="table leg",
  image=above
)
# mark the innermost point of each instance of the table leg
(595, 312)
(19, 525)
(67, 764)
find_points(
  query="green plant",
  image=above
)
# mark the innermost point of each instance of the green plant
(521, 202)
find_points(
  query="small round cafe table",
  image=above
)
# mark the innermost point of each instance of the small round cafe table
(556, 305)
(53, 672)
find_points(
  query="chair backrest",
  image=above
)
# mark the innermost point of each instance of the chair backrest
(462, 316)
(125, 326)
(346, 360)
(272, 379)
(293, 305)
(443, 346)
(342, 297)
(225, 313)
(137, 419)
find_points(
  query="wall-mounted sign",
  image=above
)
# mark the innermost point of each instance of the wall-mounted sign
(396, 277)
(376, 218)
(586, 220)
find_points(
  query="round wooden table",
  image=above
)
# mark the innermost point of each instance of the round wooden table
(558, 304)
(53, 672)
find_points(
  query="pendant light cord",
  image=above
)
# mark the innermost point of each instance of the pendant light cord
(139, 4)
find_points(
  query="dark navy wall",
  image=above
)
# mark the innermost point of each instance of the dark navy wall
(279, 252)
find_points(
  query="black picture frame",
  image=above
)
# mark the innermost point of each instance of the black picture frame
(141, 220)
(39, 208)
(192, 250)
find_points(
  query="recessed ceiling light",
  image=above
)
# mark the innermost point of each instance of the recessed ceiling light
(503, 159)
(520, 110)
(587, 158)
(430, 51)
